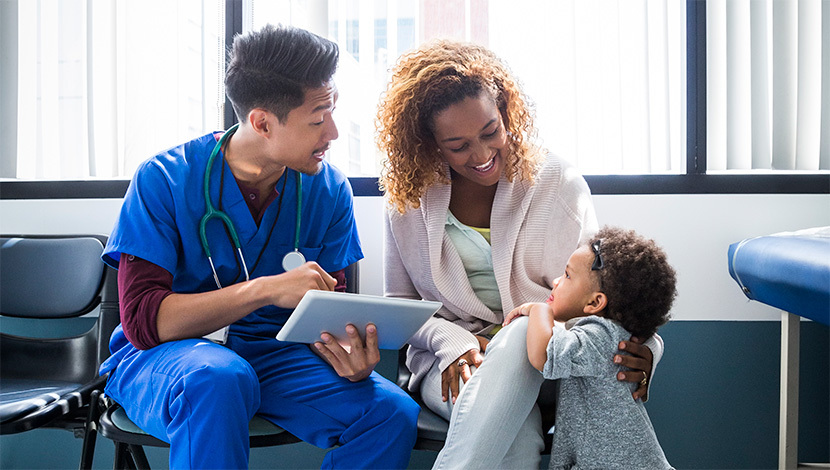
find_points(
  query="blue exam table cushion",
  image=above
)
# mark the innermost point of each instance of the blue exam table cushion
(789, 271)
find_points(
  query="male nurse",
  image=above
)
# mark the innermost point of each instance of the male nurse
(199, 395)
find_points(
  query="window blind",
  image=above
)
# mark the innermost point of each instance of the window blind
(768, 87)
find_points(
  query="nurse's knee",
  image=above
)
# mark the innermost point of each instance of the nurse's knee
(399, 411)
(224, 376)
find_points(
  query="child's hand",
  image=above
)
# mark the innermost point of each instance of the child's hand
(521, 310)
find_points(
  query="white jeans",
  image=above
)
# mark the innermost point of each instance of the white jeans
(495, 422)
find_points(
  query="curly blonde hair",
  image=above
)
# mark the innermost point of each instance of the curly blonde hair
(427, 81)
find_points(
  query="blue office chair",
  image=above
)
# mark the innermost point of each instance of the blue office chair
(129, 439)
(47, 282)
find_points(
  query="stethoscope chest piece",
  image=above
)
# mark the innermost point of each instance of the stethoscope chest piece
(292, 259)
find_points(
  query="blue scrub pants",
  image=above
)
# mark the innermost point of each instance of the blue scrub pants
(199, 397)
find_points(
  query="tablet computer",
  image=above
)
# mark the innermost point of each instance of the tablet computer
(324, 311)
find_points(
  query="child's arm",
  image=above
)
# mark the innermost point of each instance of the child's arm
(539, 330)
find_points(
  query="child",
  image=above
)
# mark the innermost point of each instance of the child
(616, 286)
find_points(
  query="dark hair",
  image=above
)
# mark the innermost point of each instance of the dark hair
(272, 68)
(637, 280)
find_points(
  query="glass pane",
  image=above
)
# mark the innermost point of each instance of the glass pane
(607, 77)
(103, 86)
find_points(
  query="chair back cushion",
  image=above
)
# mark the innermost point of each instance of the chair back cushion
(49, 277)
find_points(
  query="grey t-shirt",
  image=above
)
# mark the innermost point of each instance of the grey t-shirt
(598, 424)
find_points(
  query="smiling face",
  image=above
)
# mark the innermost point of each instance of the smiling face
(472, 139)
(576, 293)
(305, 135)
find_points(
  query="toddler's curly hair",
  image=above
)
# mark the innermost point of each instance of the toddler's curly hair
(637, 280)
(427, 81)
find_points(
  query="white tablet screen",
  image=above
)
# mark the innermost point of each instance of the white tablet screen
(322, 311)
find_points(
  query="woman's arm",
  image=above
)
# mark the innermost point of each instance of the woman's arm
(440, 336)
(396, 281)
(642, 359)
(447, 341)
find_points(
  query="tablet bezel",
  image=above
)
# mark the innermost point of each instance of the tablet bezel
(396, 319)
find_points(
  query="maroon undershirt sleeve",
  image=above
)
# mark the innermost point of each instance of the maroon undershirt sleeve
(142, 286)
(340, 277)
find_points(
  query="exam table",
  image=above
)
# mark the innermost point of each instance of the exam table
(789, 271)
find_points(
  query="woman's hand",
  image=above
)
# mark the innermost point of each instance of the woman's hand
(358, 361)
(640, 360)
(461, 367)
(483, 341)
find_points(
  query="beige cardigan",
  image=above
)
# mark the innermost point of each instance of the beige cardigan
(534, 228)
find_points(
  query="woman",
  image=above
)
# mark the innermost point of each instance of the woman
(481, 219)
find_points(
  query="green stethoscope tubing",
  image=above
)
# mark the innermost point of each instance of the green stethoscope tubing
(212, 212)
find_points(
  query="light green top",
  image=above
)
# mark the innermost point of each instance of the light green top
(473, 245)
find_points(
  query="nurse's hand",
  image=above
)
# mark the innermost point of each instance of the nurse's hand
(289, 287)
(358, 361)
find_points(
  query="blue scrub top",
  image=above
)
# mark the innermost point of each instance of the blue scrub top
(159, 222)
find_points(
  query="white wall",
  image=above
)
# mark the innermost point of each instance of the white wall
(695, 230)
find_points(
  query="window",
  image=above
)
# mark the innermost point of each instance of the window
(768, 85)
(103, 85)
(635, 126)
(89, 89)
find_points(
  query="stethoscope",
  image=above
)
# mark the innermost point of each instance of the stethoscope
(291, 260)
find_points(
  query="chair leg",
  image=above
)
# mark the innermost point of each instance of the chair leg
(139, 457)
(90, 432)
(122, 459)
